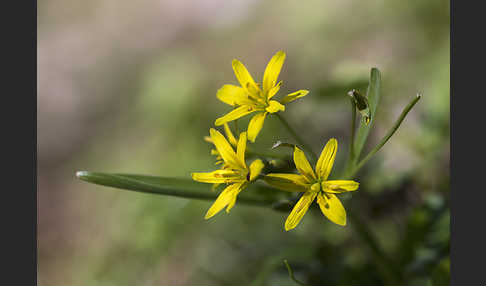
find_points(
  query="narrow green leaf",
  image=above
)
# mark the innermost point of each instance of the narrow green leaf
(283, 144)
(177, 187)
(385, 139)
(373, 96)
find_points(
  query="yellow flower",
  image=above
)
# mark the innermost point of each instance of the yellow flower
(219, 160)
(249, 98)
(314, 184)
(234, 172)
(231, 138)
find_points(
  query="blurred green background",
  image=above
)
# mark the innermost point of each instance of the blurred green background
(130, 87)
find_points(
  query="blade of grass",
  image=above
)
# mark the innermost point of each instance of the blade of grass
(373, 95)
(177, 187)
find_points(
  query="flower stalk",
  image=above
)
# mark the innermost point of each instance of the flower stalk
(297, 137)
(351, 141)
(291, 273)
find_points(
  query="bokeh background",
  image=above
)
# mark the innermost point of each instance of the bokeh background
(129, 86)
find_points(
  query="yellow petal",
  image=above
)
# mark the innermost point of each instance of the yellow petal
(273, 70)
(303, 165)
(229, 134)
(332, 208)
(234, 114)
(242, 74)
(339, 186)
(207, 178)
(255, 169)
(218, 176)
(274, 106)
(255, 125)
(287, 182)
(241, 148)
(224, 149)
(254, 91)
(294, 95)
(274, 90)
(208, 139)
(233, 198)
(232, 95)
(231, 203)
(299, 210)
(326, 160)
(227, 196)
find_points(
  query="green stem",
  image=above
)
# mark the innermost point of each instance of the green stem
(291, 273)
(297, 137)
(385, 265)
(263, 154)
(386, 138)
(351, 142)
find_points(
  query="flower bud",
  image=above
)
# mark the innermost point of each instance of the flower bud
(361, 103)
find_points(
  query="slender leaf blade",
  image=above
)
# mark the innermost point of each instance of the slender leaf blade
(373, 95)
(177, 187)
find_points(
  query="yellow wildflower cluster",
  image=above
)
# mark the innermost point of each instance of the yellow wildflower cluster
(249, 98)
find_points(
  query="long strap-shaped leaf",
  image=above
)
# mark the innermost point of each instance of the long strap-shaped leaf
(178, 187)
(373, 95)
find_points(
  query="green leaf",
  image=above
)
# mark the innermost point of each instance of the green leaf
(389, 134)
(177, 187)
(441, 274)
(373, 96)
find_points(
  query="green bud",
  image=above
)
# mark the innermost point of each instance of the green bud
(361, 103)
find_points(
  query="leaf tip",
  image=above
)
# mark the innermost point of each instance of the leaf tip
(276, 144)
(81, 174)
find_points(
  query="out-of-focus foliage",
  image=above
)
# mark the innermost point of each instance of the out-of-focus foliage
(129, 87)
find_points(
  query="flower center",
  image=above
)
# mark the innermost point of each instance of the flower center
(316, 187)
